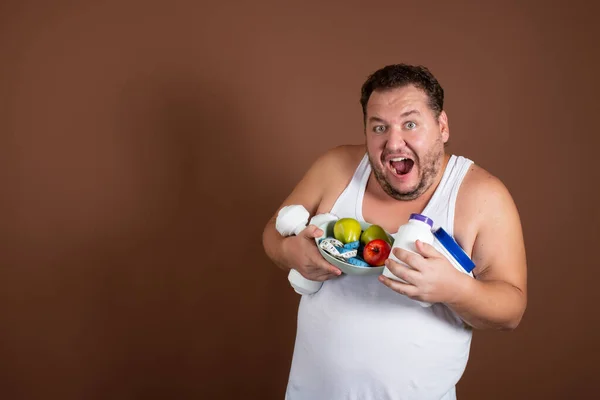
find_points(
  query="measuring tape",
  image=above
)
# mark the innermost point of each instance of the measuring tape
(344, 252)
(337, 249)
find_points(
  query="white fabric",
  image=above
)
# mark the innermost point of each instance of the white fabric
(359, 340)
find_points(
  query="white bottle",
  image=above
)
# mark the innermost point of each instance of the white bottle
(418, 227)
(292, 220)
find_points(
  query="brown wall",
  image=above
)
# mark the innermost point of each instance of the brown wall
(145, 144)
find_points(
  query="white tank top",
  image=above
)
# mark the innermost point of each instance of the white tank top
(359, 340)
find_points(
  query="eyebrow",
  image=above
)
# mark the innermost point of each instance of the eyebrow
(407, 113)
(377, 119)
(404, 114)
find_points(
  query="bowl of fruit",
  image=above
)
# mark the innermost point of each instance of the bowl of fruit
(356, 248)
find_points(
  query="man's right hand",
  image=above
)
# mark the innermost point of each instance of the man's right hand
(301, 254)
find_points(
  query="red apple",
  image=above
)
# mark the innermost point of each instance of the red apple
(376, 252)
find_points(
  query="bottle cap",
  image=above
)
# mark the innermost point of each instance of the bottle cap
(454, 249)
(420, 217)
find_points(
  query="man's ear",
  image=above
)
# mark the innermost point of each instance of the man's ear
(444, 127)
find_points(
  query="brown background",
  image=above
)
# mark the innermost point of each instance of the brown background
(145, 144)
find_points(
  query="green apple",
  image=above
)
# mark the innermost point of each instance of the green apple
(374, 232)
(347, 230)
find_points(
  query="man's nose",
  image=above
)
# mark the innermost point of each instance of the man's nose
(396, 138)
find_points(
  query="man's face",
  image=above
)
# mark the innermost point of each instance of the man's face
(405, 141)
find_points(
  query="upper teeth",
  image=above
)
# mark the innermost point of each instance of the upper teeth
(398, 159)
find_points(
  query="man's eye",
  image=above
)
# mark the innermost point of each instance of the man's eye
(379, 129)
(410, 125)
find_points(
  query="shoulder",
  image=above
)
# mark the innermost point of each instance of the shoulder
(487, 217)
(341, 158)
(335, 169)
(482, 194)
(326, 175)
(337, 164)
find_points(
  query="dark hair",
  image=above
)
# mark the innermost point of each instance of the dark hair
(399, 75)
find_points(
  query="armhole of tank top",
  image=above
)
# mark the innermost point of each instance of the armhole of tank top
(464, 166)
(362, 186)
(356, 176)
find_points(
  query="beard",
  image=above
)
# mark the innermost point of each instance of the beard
(429, 166)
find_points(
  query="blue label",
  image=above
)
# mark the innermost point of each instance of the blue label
(454, 249)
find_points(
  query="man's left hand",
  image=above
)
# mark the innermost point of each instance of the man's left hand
(431, 277)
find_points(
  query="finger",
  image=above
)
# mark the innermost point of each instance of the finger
(403, 272)
(324, 267)
(321, 263)
(319, 278)
(330, 269)
(412, 259)
(312, 232)
(313, 274)
(329, 276)
(426, 250)
(399, 287)
(324, 275)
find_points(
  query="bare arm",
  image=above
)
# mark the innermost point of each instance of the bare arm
(300, 252)
(497, 298)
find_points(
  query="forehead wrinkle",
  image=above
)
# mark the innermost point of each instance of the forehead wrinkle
(395, 97)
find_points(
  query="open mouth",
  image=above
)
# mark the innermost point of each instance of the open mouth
(401, 165)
